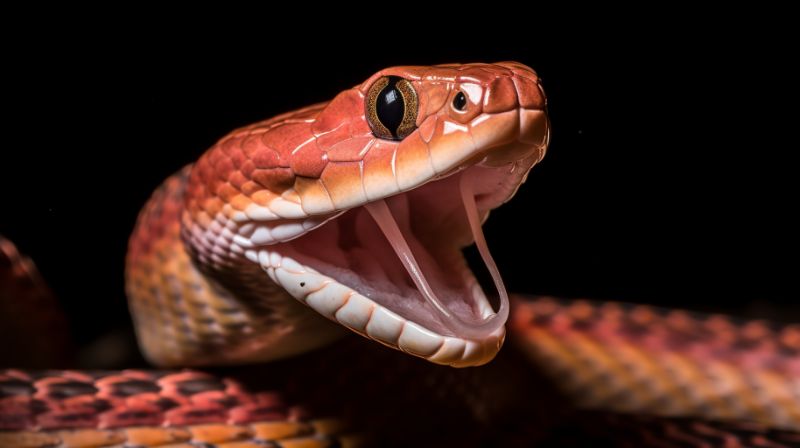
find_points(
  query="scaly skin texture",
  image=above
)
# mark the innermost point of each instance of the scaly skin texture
(201, 293)
(203, 286)
(184, 317)
(187, 409)
(644, 360)
(136, 408)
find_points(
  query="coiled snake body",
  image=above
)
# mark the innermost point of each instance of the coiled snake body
(352, 215)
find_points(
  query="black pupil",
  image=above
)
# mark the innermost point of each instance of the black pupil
(460, 101)
(390, 107)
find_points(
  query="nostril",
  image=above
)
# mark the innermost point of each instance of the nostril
(466, 102)
(460, 102)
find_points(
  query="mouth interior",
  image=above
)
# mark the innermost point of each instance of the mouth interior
(404, 252)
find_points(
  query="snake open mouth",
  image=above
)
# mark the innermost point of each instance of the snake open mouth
(403, 253)
(384, 217)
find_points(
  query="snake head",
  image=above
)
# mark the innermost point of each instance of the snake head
(359, 208)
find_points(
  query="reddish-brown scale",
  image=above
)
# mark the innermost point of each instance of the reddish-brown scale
(338, 115)
(265, 157)
(130, 398)
(240, 182)
(351, 150)
(436, 98)
(160, 215)
(138, 408)
(273, 179)
(285, 138)
(334, 136)
(309, 160)
(500, 96)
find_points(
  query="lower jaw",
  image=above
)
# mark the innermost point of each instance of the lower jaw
(348, 271)
(334, 300)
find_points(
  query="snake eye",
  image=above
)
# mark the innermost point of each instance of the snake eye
(460, 102)
(392, 108)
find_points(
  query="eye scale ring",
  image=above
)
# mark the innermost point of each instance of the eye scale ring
(409, 122)
(391, 108)
(375, 124)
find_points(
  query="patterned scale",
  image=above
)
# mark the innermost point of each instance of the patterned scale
(137, 408)
(665, 362)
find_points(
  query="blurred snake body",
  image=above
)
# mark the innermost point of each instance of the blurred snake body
(351, 215)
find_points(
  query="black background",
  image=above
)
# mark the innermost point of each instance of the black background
(670, 179)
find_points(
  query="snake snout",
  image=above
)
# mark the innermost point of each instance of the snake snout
(534, 124)
(519, 126)
(527, 85)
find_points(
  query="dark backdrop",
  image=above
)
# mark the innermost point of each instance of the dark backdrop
(670, 179)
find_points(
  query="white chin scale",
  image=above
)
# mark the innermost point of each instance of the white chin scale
(362, 315)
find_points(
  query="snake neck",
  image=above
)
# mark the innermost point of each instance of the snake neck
(190, 308)
(241, 186)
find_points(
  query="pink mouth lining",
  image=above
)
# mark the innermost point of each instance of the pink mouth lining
(382, 215)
